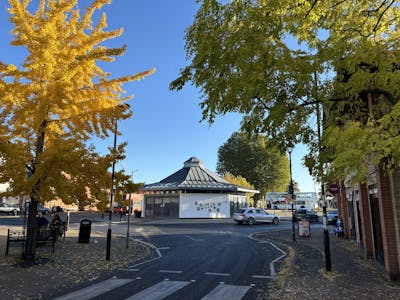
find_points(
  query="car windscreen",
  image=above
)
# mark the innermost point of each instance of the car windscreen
(240, 211)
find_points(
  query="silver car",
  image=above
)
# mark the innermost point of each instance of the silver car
(9, 209)
(253, 215)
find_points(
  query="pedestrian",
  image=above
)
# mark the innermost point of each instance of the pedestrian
(56, 224)
(42, 222)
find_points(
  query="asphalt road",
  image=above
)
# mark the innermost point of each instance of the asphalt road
(194, 261)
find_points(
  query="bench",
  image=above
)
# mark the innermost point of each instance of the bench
(46, 237)
(15, 238)
(49, 237)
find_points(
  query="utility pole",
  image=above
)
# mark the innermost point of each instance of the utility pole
(112, 191)
(291, 193)
(328, 265)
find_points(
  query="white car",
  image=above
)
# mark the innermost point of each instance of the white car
(9, 209)
(254, 215)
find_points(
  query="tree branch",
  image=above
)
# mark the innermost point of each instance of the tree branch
(311, 8)
(382, 14)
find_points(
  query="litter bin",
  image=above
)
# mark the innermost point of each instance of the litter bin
(84, 231)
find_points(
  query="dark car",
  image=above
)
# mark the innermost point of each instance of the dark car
(332, 216)
(305, 215)
(40, 208)
(56, 209)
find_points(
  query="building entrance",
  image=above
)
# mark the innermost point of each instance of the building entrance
(162, 206)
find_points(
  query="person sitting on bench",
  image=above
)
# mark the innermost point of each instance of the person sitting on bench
(56, 224)
(42, 222)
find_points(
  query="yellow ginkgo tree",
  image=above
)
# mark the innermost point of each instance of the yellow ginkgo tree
(56, 101)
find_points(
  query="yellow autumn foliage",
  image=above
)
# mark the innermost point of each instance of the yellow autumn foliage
(59, 98)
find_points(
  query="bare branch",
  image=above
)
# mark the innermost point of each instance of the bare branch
(338, 3)
(382, 14)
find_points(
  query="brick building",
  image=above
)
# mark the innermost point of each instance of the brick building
(371, 215)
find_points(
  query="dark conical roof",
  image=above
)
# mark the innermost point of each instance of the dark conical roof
(193, 176)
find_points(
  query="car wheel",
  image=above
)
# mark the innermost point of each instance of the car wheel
(275, 221)
(15, 212)
(317, 219)
(250, 221)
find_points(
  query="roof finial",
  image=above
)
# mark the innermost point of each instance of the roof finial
(193, 162)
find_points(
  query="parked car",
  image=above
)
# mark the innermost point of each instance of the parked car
(332, 216)
(9, 209)
(40, 208)
(305, 215)
(56, 209)
(119, 208)
(254, 215)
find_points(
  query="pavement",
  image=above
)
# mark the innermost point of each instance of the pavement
(302, 272)
(72, 263)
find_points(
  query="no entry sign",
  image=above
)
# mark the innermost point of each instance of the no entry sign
(334, 189)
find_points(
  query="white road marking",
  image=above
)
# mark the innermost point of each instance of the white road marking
(193, 239)
(272, 263)
(159, 255)
(227, 292)
(159, 291)
(262, 276)
(171, 271)
(96, 289)
(163, 248)
(217, 274)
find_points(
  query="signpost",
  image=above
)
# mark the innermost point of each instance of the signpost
(334, 189)
(304, 228)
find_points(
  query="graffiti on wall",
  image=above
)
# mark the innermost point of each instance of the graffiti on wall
(208, 205)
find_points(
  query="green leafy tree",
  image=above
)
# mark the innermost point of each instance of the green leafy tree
(261, 164)
(240, 181)
(56, 101)
(344, 59)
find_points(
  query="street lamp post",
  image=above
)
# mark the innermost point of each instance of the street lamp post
(291, 192)
(129, 214)
(113, 189)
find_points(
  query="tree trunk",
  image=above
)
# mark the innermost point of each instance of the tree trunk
(32, 226)
(31, 232)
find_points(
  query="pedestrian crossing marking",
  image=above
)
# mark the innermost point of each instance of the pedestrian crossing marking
(96, 289)
(262, 276)
(159, 291)
(217, 274)
(227, 292)
(171, 271)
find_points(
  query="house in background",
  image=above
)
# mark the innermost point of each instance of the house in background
(193, 192)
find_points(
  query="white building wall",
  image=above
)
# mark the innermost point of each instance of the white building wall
(207, 205)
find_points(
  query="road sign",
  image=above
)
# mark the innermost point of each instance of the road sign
(334, 188)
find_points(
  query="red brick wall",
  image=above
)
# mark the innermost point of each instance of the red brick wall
(365, 211)
(344, 209)
(389, 233)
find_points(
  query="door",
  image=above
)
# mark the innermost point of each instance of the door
(162, 207)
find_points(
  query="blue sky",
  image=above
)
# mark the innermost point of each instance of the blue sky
(165, 128)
